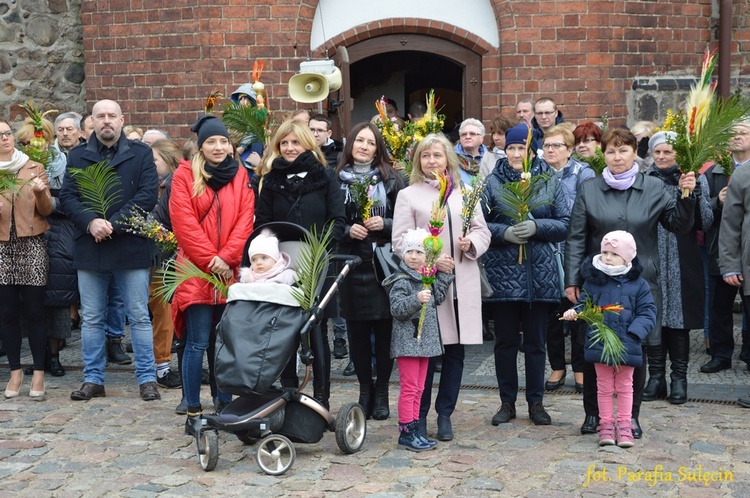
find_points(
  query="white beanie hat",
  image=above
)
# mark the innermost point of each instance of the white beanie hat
(265, 243)
(413, 240)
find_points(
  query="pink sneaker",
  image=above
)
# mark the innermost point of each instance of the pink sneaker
(606, 434)
(625, 436)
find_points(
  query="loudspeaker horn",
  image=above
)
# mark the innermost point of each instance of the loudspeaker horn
(315, 81)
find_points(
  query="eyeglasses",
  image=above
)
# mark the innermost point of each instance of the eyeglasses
(6, 134)
(553, 146)
(545, 113)
(469, 134)
(315, 131)
(587, 140)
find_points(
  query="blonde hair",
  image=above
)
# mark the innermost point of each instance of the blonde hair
(130, 129)
(641, 127)
(305, 137)
(198, 166)
(26, 132)
(564, 131)
(417, 175)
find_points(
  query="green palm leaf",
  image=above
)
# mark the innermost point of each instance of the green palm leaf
(99, 186)
(177, 272)
(520, 198)
(311, 263)
(246, 123)
(595, 162)
(10, 183)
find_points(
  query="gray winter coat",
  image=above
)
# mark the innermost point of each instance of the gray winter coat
(405, 308)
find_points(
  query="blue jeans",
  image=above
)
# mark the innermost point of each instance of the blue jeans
(93, 287)
(200, 320)
(115, 326)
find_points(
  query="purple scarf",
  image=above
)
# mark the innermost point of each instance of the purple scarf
(623, 181)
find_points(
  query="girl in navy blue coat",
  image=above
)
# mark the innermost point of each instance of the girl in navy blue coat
(614, 277)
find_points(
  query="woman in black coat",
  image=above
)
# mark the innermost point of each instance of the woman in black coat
(364, 302)
(299, 189)
(623, 199)
(682, 293)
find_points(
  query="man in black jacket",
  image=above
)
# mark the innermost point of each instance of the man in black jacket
(104, 251)
(320, 126)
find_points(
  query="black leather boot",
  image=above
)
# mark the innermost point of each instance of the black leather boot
(366, 395)
(56, 368)
(656, 387)
(115, 354)
(380, 410)
(679, 353)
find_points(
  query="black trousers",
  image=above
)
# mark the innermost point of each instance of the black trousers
(533, 319)
(721, 318)
(590, 405)
(360, 344)
(556, 339)
(450, 382)
(29, 300)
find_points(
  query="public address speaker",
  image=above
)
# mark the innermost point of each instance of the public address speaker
(315, 81)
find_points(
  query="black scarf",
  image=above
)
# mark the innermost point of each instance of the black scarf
(221, 174)
(671, 175)
(304, 162)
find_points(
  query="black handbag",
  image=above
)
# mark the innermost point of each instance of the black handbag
(385, 261)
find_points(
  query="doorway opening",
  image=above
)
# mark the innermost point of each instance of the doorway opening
(406, 77)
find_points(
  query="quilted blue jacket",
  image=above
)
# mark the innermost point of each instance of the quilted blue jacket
(536, 278)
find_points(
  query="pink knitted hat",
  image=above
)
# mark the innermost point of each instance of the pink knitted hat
(621, 243)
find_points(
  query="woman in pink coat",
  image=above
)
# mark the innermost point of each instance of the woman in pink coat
(460, 316)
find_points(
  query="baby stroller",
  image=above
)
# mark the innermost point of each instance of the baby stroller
(259, 332)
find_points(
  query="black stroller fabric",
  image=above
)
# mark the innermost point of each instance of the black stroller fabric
(254, 342)
(302, 424)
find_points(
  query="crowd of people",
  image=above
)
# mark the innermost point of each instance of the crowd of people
(590, 237)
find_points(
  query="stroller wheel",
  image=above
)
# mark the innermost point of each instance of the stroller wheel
(210, 441)
(275, 454)
(351, 428)
(244, 436)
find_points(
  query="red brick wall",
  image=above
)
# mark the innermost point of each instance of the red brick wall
(159, 58)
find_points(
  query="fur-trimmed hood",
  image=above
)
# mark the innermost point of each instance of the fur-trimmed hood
(598, 277)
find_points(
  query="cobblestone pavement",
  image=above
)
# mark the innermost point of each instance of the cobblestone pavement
(121, 446)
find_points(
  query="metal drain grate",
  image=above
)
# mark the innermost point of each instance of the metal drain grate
(563, 391)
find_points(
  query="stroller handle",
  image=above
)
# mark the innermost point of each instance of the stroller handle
(350, 262)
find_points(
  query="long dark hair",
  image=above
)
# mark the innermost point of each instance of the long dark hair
(380, 160)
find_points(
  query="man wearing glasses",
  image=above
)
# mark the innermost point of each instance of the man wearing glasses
(320, 126)
(546, 115)
(470, 148)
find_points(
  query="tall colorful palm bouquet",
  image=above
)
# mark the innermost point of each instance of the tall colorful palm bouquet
(400, 140)
(520, 198)
(706, 125)
(431, 122)
(37, 148)
(433, 244)
(613, 351)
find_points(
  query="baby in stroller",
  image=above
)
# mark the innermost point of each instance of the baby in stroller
(267, 262)
(259, 331)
